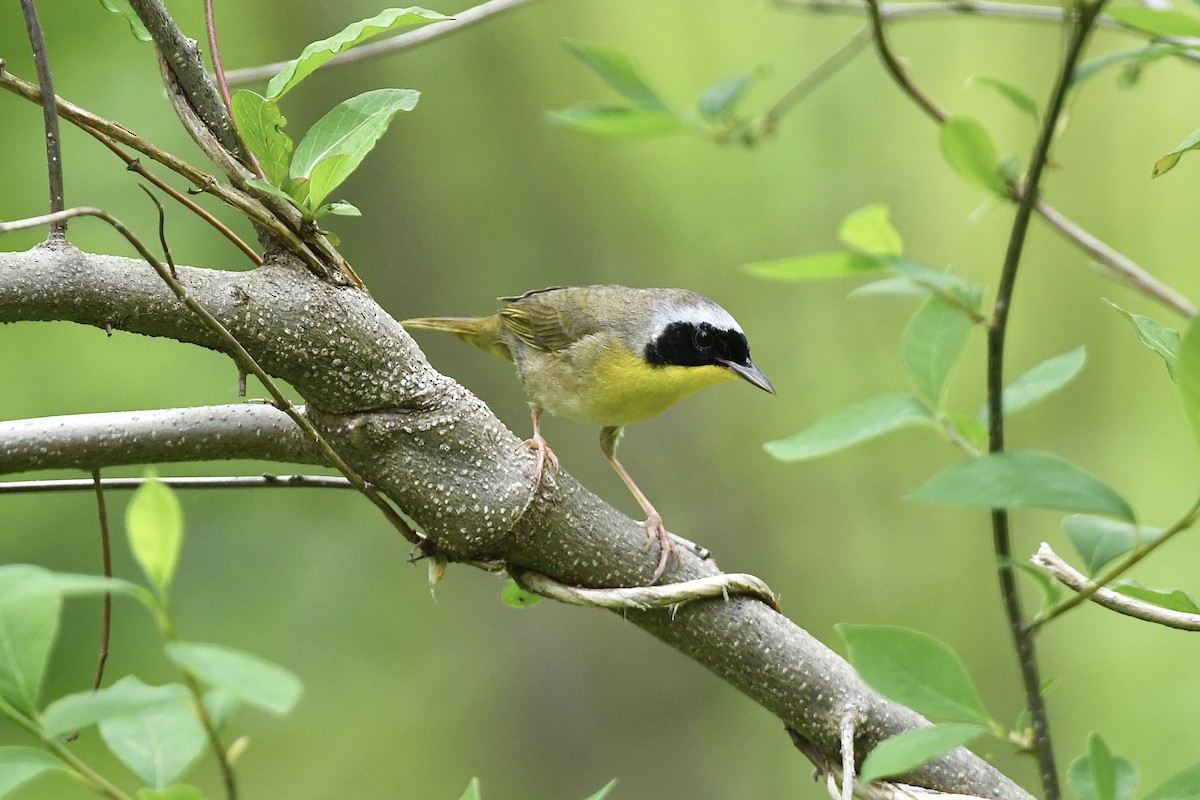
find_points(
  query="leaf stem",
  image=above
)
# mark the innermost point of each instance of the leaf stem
(41, 60)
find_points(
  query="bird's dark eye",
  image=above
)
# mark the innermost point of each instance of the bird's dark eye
(704, 338)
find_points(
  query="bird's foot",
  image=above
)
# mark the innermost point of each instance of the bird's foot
(655, 530)
(545, 456)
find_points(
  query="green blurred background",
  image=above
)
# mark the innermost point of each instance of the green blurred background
(473, 195)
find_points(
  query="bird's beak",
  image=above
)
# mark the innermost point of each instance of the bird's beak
(750, 373)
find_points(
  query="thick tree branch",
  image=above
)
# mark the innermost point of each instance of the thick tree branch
(439, 453)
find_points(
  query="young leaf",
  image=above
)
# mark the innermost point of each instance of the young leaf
(1135, 56)
(617, 70)
(513, 595)
(1022, 101)
(339, 208)
(932, 344)
(1184, 785)
(260, 123)
(1098, 774)
(1165, 163)
(335, 146)
(603, 793)
(1187, 375)
(157, 743)
(1159, 338)
(1158, 22)
(915, 669)
(817, 266)
(154, 527)
(870, 231)
(969, 150)
(1099, 540)
(617, 121)
(30, 606)
(266, 187)
(1171, 599)
(472, 792)
(849, 426)
(19, 765)
(317, 53)
(126, 697)
(1040, 381)
(248, 677)
(123, 8)
(718, 100)
(911, 749)
(1023, 480)
(969, 428)
(1051, 590)
(899, 286)
(935, 281)
(71, 584)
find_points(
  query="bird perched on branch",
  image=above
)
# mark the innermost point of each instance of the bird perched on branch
(608, 356)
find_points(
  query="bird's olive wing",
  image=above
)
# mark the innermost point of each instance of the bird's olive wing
(547, 320)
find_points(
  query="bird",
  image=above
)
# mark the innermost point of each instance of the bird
(610, 355)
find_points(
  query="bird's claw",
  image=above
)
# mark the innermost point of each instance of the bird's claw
(655, 530)
(544, 456)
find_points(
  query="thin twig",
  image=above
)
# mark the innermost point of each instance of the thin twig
(41, 61)
(815, 77)
(996, 338)
(210, 25)
(264, 481)
(892, 64)
(239, 355)
(106, 562)
(644, 597)
(162, 229)
(404, 41)
(1048, 560)
(1121, 567)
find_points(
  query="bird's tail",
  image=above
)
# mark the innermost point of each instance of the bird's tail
(483, 332)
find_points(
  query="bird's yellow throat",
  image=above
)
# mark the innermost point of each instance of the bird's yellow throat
(627, 389)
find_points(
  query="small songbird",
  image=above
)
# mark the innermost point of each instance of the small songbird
(608, 356)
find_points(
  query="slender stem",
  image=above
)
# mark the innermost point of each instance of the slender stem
(41, 60)
(815, 77)
(106, 560)
(404, 41)
(1121, 567)
(226, 482)
(239, 355)
(892, 64)
(210, 25)
(214, 736)
(997, 331)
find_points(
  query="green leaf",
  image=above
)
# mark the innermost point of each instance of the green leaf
(1171, 599)
(1165, 163)
(267, 188)
(1134, 56)
(513, 595)
(932, 344)
(898, 285)
(30, 606)
(849, 426)
(154, 526)
(1023, 480)
(123, 8)
(911, 749)
(317, 53)
(472, 792)
(126, 697)
(19, 765)
(248, 677)
(158, 743)
(718, 100)
(1159, 338)
(339, 208)
(1051, 591)
(1182, 786)
(617, 70)
(1099, 540)
(915, 669)
(603, 793)
(1160, 23)
(1040, 381)
(173, 793)
(969, 150)
(339, 141)
(617, 121)
(869, 230)
(1187, 375)
(1098, 775)
(261, 123)
(935, 281)
(1022, 101)
(817, 266)
(72, 584)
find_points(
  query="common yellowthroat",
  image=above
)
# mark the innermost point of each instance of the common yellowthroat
(608, 356)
